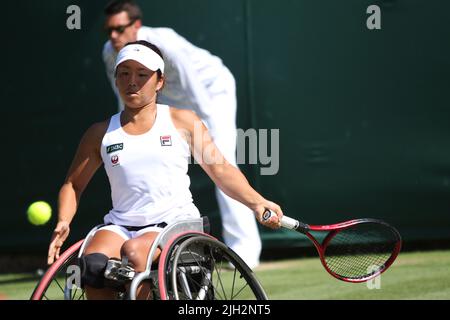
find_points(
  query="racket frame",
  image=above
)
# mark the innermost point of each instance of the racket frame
(334, 229)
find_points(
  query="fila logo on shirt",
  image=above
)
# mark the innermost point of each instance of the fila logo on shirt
(166, 141)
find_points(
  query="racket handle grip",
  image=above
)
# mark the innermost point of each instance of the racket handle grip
(286, 222)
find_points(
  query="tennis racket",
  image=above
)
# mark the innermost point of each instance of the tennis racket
(353, 251)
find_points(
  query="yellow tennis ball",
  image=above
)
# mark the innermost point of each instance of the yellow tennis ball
(39, 213)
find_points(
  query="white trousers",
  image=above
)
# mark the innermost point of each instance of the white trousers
(240, 230)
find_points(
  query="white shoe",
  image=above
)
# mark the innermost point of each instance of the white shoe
(253, 265)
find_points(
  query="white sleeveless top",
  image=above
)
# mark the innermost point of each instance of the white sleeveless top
(147, 173)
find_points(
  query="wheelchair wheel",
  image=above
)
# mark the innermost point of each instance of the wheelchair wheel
(165, 259)
(203, 268)
(60, 281)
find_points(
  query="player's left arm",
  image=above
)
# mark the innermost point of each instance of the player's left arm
(227, 177)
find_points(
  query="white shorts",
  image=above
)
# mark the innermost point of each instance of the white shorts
(126, 234)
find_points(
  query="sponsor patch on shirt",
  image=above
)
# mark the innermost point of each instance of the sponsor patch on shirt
(115, 160)
(114, 147)
(166, 141)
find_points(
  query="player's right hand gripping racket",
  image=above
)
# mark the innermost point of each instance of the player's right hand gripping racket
(353, 251)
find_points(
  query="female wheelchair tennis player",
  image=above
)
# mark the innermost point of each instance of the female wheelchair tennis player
(145, 150)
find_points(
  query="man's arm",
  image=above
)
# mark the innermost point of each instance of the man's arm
(192, 85)
(109, 59)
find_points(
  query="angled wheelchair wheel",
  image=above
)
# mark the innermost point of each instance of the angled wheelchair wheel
(165, 261)
(202, 268)
(61, 280)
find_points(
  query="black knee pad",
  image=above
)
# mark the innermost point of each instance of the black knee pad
(92, 267)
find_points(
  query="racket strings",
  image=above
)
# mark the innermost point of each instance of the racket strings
(360, 251)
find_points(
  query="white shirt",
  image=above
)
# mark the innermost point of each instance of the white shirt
(192, 74)
(147, 173)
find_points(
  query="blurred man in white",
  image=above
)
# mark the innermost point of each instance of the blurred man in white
(197, 80)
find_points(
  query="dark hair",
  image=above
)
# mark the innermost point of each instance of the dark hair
(150, 46)
(129, 6)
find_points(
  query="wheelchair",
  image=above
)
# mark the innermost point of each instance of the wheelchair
(192, 265)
